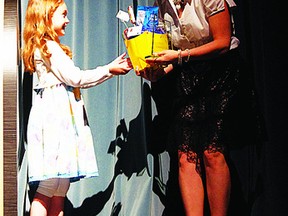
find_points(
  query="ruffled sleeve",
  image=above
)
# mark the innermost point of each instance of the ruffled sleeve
(215, 6)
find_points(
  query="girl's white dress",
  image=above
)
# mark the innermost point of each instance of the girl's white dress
(60, 143)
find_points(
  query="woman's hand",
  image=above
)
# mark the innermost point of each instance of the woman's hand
(120, 66)
(163, 58)
(154, 73)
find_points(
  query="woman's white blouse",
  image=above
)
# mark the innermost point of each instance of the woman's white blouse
(193, 29)
(61, 69)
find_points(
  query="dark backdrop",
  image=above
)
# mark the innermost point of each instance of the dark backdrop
(260, 27)
(261, 30)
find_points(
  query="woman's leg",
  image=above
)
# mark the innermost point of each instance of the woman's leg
(218, 182)
(191, 187)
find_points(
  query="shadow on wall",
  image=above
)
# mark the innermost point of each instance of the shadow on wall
(134, 144)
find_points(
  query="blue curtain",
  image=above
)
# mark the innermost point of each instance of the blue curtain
(120, 112)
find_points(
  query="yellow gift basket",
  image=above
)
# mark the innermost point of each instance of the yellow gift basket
(144, 45)
(148, 35)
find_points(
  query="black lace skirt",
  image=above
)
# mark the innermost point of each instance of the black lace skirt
(208, 105)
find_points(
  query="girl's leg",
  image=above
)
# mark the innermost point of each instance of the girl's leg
(58, 199)
(218, 183)
(191, 187)
(40, 205)
(42, 199)
(44, 203)
(57, 206)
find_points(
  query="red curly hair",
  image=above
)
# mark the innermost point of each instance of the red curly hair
(37, 29)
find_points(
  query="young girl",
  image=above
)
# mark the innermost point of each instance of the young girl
(60, 145)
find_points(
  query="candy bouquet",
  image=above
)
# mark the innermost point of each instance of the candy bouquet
(148, 34)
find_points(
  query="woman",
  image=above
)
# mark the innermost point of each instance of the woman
(201, 77)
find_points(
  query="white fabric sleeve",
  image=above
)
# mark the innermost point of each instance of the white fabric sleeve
(66, 71)
(231, 3)
(215, 6)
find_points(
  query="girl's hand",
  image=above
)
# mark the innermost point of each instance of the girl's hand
(121, 65)
(163, 58)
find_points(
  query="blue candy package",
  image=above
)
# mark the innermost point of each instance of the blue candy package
(147, 16)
